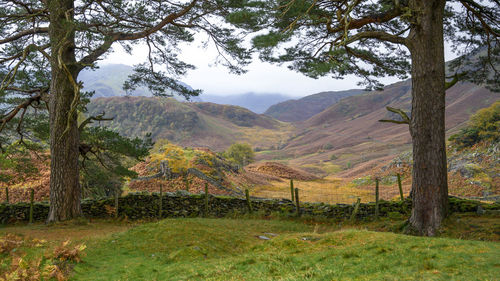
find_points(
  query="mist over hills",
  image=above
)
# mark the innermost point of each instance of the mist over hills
(107, 81)
(256, 102)
(321, 133)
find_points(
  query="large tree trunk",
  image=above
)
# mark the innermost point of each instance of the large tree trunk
(429, 187)
(64, 135)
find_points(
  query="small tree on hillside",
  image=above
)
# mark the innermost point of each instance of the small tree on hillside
(67, 36)
(374, 39)
(484, 126)
(240, 153)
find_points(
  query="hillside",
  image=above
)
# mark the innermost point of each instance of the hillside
(348, 133)
(256, 102)
(306, 107)
(190, 124)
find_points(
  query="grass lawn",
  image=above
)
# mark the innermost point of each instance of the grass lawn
(229, 249)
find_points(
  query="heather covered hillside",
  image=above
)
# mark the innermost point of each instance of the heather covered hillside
(348, 133)
(308, 106)
(190, 124)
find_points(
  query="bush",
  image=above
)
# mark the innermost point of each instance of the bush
(484, 126)
(240, 153)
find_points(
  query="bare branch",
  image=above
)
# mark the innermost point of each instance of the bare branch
(456, 78)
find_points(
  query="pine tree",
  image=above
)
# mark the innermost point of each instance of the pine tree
(373, 39)
(65, 37)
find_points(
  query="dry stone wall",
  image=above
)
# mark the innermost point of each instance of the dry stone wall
(181, 204)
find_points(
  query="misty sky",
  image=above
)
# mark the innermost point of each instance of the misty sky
(260, 78)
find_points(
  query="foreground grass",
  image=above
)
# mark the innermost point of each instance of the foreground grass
(224, 249)
(229, 249)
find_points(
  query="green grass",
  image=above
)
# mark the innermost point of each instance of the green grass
(226, 249)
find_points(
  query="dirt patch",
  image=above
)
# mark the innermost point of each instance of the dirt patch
(281, 171)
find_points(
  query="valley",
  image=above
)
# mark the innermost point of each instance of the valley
(249, 140)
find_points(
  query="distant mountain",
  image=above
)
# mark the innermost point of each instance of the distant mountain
(189, 123)
(256, 102)
(347, 135)
(306, 107)
(107, 81)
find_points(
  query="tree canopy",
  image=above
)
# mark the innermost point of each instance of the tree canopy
(45, 44)
(371, 39)
(240, 153)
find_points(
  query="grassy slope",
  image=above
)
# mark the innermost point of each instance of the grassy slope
(190, 124)
(228, 249)
(224, 249)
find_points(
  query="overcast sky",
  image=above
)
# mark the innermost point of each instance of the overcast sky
(260, 78)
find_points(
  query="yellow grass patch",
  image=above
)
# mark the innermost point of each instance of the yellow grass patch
(328, 190)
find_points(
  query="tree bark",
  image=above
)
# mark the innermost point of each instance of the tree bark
(429, 185)
(64, 136)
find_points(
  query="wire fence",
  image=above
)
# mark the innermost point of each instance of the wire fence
(334, 192)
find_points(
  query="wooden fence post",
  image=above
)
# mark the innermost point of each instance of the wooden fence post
(400, 187)
(32, 199)
(291, 189)
(116, 203)
(160, 208)
(376, 198)
(249, 203)
(206, 199)
(7, 195)
(187, 183)
(356, 209)
(297, 201)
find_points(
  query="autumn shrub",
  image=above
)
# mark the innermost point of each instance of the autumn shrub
(65, 252)
(9, 242)
(484, 126)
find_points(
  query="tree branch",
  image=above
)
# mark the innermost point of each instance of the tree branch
(36, 30)
(454, 81)
(20, 54)
(9, 116)
(358, 23)
(485, 25)
(119, 36)
(404, 116)
(381, 35)
(90, 120)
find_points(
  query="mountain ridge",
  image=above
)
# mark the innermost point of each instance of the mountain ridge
(296, 110)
